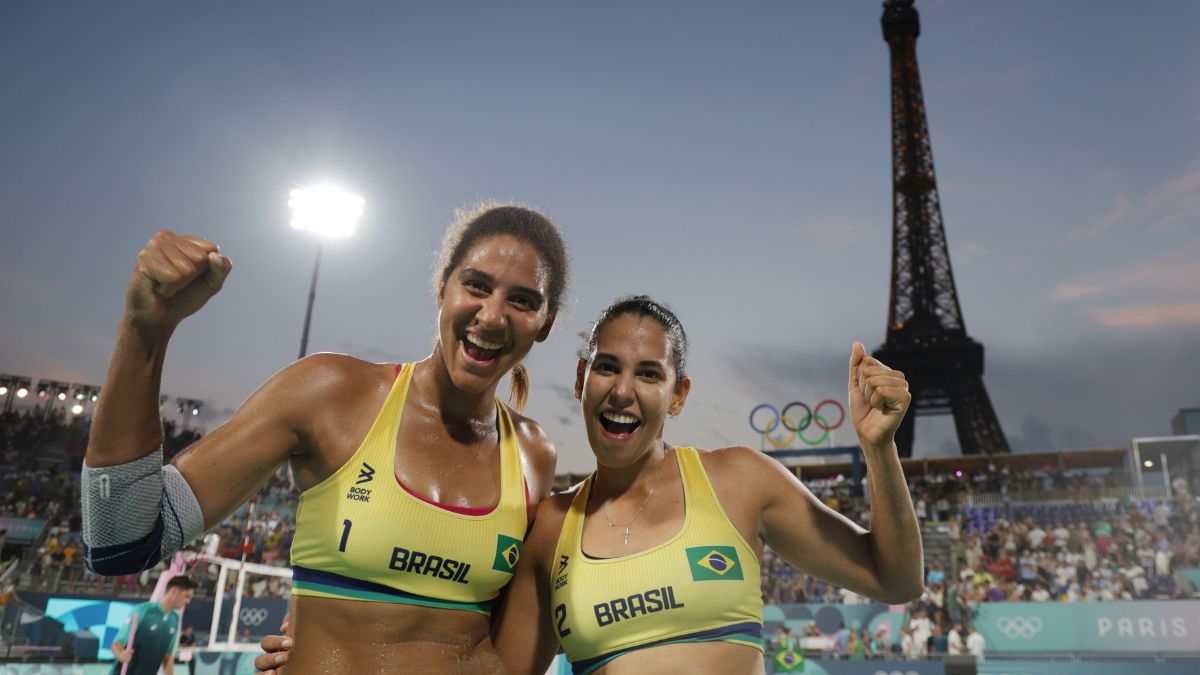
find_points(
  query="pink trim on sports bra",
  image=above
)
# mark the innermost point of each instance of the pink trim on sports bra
(463, 510)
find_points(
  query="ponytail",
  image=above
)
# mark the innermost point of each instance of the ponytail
(518, 392)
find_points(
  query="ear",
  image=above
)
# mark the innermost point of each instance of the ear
(682, 388)
(545, 330)
(580, 371)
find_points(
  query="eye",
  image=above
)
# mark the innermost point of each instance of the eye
(653, 375)
(476, 286)
(604, 368)
(523, 302)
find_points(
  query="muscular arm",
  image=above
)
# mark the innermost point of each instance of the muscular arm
(538, 458)
(883, 563)
(523, 631)
(226, 467)
(174, 276)
(878, 563)
(137, 512)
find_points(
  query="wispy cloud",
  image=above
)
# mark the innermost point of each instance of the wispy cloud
(1160, 315)
(1175, 203)
(1104, 223)
(1165, 275)
(968, 252)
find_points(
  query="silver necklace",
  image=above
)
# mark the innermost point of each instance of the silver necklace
(604, 512)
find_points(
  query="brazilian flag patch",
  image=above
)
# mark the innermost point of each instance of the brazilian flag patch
(711, 563)
(789, 661)
(508, 552)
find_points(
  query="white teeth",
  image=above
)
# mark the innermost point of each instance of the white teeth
(618, 417)
(482, 344)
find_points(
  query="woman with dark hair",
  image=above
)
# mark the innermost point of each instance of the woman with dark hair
(417, 484)
(651, 564)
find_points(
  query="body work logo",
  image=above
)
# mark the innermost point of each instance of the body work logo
(710, 563)
(561, 575)
(358, 494)
(508, 552)
(365, 475)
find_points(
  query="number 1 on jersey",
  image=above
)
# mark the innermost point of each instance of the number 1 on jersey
(346, 524)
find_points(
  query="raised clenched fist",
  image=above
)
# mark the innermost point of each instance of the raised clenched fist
(174, 276)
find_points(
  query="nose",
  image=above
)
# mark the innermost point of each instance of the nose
(622, 391)
(490, 316)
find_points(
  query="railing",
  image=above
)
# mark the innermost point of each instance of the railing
(1084, 494)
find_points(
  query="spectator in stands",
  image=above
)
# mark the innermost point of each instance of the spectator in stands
(975, 644)
(938, 643)
(936, 574)
(856, 646)
(841, 639)
(908, 646)
(921, 628)
(954, 640)
(880, 646)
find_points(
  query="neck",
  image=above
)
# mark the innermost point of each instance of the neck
(166, 604)
(638, 476)
(431, 377)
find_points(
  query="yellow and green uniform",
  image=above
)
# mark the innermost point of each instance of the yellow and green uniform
(154, 636)
(363, 535)
(700, 585)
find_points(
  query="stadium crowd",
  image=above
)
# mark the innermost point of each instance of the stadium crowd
(1065, 551)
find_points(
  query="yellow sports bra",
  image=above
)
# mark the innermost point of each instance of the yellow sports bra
(700, 585)
(362, 535)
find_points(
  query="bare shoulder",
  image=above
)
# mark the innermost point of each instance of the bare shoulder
(337, 373)
(537, 454)
(548, 523)
(736, 462)
(733, 469)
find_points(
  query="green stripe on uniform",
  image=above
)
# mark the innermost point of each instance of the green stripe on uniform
(405, 599)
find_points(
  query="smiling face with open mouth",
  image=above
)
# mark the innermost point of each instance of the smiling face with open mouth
(628, 386)
(491, 311)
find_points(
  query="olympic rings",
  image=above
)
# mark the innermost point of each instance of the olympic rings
(796, 428)
(252, 616)
(1019, 626)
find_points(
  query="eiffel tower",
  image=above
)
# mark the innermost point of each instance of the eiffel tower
(926, 336)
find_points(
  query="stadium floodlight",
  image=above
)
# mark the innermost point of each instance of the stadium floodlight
(85, 392)
(77, 409)
(10, 386)
(326, 210)
(329, 212)
(188, 407)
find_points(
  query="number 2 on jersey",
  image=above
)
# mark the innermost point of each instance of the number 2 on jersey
(560, 612)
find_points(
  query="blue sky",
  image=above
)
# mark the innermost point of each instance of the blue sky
(732, 160)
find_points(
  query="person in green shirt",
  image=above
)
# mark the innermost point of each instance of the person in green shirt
(157, 626)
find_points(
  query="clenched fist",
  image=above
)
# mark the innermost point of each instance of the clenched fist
(879, 397)
(174, 276)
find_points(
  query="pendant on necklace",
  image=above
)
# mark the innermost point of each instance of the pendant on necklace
(627, 536)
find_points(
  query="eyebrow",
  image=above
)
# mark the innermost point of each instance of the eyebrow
(605, 356)
(469, 272)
